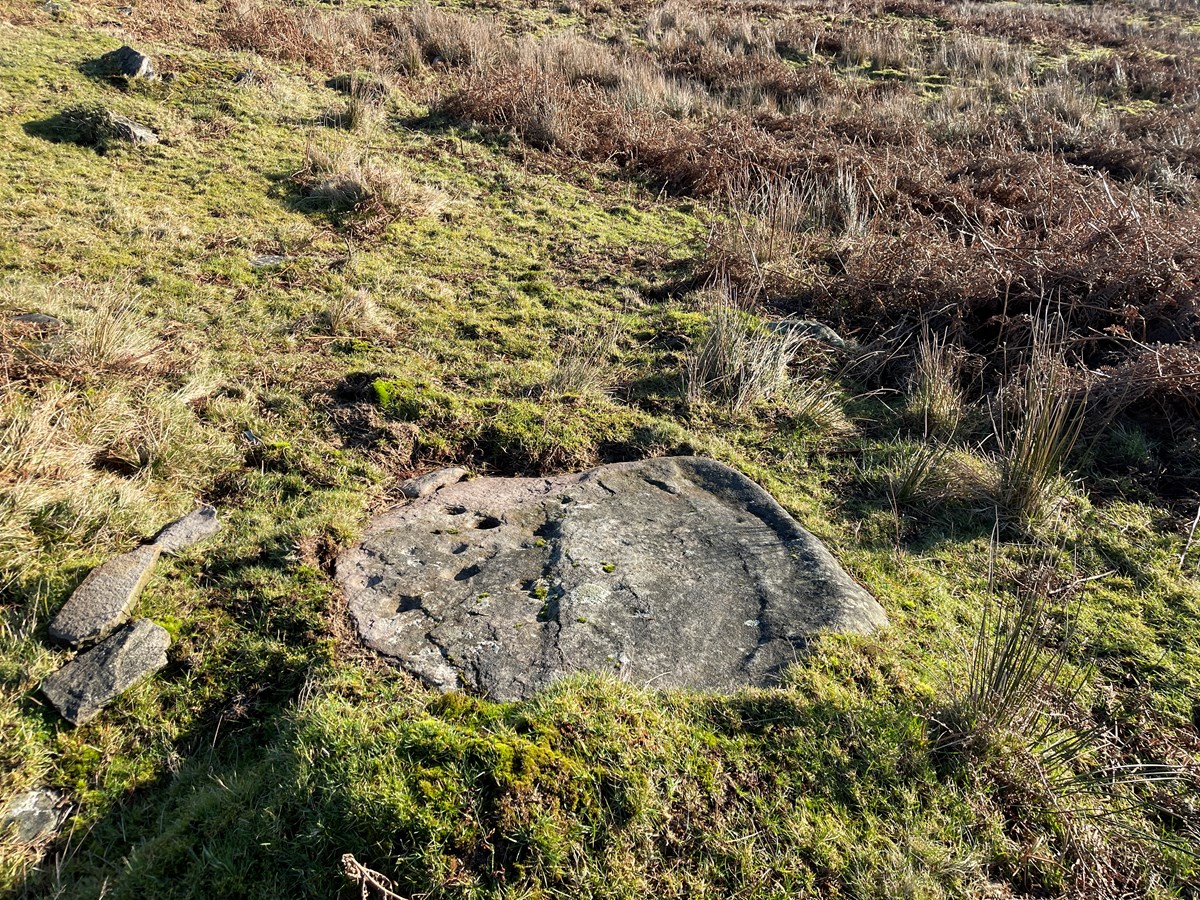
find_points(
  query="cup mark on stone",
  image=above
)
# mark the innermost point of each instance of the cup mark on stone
(663, 485)
(468, 573)
(407, 603)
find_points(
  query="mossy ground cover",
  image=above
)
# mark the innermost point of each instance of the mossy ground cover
(271, 745)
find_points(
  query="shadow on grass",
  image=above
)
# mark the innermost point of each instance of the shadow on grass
(62, 128)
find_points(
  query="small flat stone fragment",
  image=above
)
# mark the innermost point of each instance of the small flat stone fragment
(32, 817)
(124, 129)
(198, 525)
(125, 62)
(676, 573)
(41, 321)
(103, 600)
(817, 331)
(268, 260)
(431, 482)
(92, 680)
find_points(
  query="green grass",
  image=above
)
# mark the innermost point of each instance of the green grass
(271, 745)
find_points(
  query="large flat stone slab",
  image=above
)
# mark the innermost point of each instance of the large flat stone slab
(675, 572)
(103, 600)
(92, 680)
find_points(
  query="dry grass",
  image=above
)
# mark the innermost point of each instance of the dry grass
(331, 40)
(363, 115)
(878, 47)
(449, 39)
(348, 181)
(583, 362)
(353, 313)
(739, 361)
(1035, 170)
(773, 226)
(1037, 420)
(935, 388)
(923, 472)
(93, 436)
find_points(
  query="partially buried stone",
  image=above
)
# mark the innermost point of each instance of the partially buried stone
(103, 600)
(677, 572)
(92, 680)
(267, 260)
(92, 125)
(32, 817)
(125, 62)
(196, 526)
(124, 129)
(41, 321)
(430, 482)
(817, 331)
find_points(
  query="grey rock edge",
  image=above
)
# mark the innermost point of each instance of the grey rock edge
(267, 260)
(84, 686)
(32, 817)
(125, 62)
(676, 572)
(198, 525)
(40, 320)
(128, 130)
(424, 485)
(103, 600)
(817, 331)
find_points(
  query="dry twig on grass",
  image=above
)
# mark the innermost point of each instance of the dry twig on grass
(374, 885)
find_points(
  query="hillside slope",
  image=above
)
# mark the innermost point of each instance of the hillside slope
(526, 238)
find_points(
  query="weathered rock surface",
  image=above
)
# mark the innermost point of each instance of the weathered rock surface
(123, 129)
(32, 817)
(92, 680)
(268, 260)
(198, 525)
(125, 62)
(424, 485)
(103, 600)
(817, 331)
(41, 321)
(675, 572)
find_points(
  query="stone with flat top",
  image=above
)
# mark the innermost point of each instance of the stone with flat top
(676, 572)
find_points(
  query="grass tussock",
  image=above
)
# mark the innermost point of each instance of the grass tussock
(354, 313)
(1016, 714)
(584, 361)
(352, 183)
(1011, 673)
(935, 388)
(739, 361)
(1037, 420)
